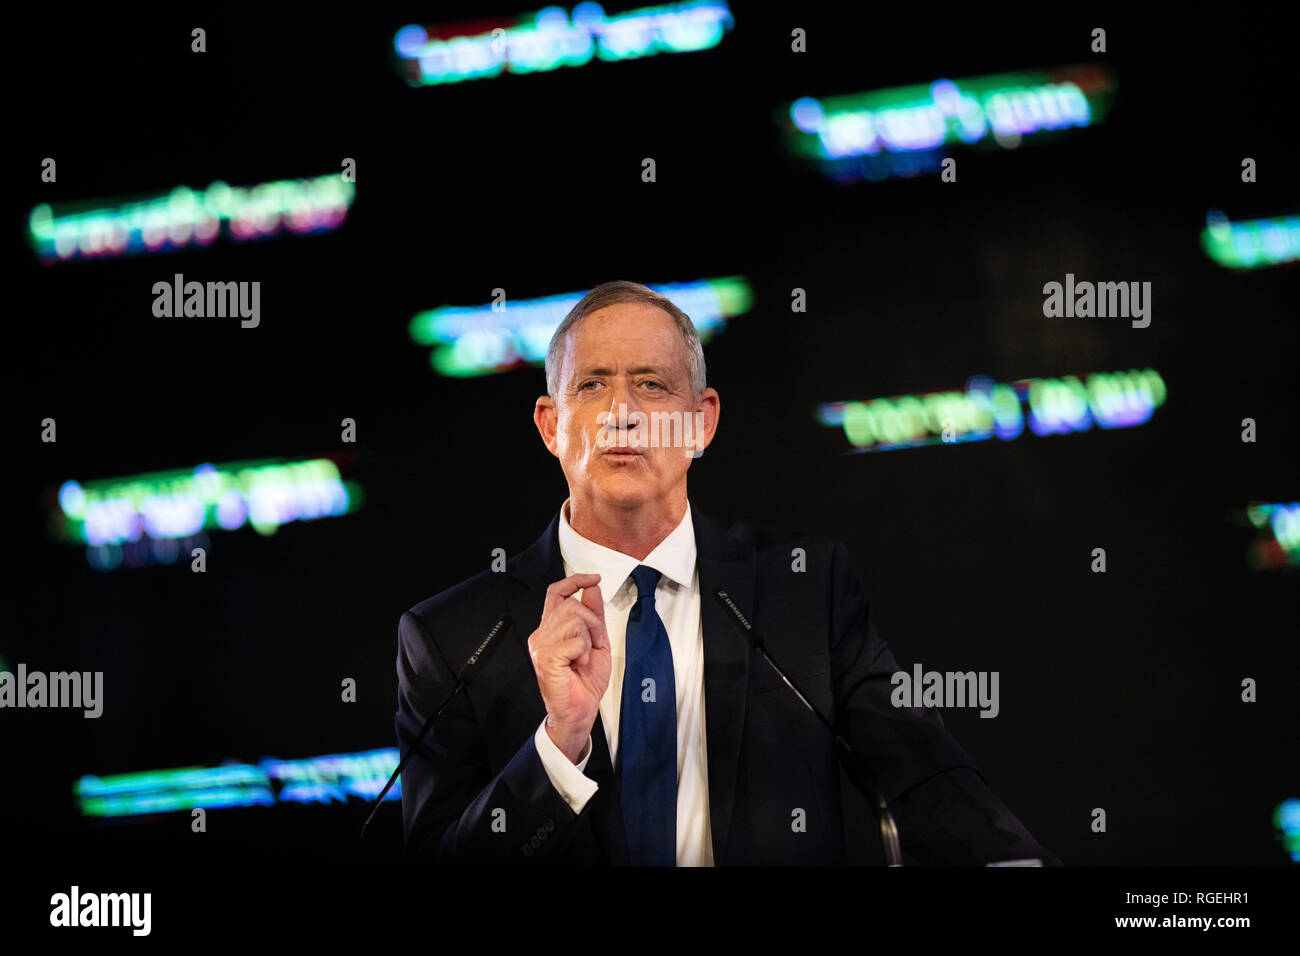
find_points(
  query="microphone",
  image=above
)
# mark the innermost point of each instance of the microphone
(888, 828)
(466, 676)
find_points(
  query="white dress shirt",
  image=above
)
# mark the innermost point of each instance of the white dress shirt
(677, 601)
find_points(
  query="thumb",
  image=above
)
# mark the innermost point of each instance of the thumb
(595, 602)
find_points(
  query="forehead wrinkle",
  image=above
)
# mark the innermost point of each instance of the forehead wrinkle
(638, 370)
(597, 329)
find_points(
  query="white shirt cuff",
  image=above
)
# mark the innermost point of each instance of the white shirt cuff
(569, 781)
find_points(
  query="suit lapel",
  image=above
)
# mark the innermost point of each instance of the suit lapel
(723, 562)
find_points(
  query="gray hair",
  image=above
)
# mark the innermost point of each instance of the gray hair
(614, 293)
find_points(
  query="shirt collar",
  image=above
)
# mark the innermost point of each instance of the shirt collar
(673, 557)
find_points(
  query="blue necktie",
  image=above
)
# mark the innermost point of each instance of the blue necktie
(647, 733)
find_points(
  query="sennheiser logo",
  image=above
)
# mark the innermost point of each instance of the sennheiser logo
(734, 610)
(478, 651)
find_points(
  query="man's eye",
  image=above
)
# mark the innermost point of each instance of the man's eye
(655, 384)
(585, 384)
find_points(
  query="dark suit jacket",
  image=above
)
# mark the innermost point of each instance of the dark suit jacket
(476, 792)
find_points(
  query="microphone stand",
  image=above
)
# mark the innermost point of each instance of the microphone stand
(466, 675)
(888, 828)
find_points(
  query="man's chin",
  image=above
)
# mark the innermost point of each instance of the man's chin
(625, 490)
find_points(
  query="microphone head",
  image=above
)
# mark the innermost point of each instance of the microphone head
(738, 618)
(483, 651)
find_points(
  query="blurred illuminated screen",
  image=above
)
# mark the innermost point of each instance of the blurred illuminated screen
(330, 779)
(1286, 821)
(551, 38)
(904, 131)
(481, 339)
(1252, 243)
(186, 217)
(986, 408)
(164, 508)
(1279, 544)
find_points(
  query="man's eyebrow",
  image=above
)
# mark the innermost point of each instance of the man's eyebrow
(639, 370)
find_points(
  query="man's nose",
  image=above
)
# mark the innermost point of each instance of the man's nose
(621, 406)
(622, 394)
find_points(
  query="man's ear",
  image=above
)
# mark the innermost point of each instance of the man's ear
(708, 410)
(546, 418)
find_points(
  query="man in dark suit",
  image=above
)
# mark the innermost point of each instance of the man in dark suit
(622, 720)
